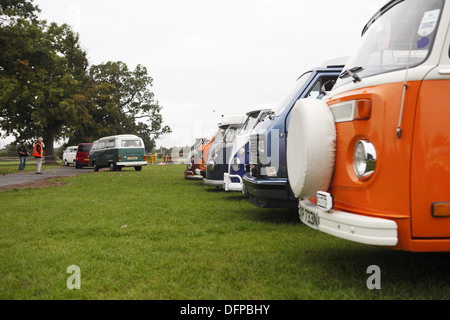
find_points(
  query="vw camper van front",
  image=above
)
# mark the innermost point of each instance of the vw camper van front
(220, 150)
(240, 157)
(194, 160)
(371, 162)
(266, 183)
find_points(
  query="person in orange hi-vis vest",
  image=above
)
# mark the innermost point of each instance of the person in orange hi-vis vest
(38, 153)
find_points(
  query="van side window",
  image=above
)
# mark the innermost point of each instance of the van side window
(110, 144)
(315, 91)
(325, 81)
(101, 145)
(130, 143)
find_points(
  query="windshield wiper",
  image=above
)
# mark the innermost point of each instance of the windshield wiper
(353, 72)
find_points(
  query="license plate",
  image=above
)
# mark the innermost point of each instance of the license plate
(132, 158)
(86, 159)
(309, 217)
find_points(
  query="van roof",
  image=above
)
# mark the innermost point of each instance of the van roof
(257, 111)
(335, 62)
(123, 136)
(232, 120)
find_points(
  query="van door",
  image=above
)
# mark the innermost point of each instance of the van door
(430, 175)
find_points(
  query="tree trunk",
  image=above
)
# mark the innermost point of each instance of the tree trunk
(49, 150)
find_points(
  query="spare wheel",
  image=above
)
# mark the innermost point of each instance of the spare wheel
(311, 148)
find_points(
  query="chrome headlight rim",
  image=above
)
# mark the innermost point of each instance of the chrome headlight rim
(211, 165)
(236, 164)
(364, 159)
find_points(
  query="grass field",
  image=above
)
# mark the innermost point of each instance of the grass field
(154, 235)
(30, 166)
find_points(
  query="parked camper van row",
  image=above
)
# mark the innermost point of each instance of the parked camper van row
(361, 144)
(77, 155)
(114, 152)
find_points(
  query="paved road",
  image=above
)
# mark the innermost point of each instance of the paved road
(26, 177)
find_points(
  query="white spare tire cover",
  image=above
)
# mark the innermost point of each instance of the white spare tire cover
(311, 147)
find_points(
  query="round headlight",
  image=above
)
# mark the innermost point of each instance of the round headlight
(189, 166)
(211, 165)
(236, 164)
(364, 159)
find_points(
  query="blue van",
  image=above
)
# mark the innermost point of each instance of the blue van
(240, 152)
(220, 150)
(266, 182)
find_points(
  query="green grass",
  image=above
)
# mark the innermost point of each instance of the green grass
(185, 241)
(30, 166)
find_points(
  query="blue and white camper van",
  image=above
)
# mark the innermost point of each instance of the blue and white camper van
(220, 150)
(266, 183)
(240, 153)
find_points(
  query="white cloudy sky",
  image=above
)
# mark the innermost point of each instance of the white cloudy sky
(210, 58)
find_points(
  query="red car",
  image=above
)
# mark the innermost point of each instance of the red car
(82, 157)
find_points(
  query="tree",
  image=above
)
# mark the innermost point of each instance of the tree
(43, 75)
(122, 104)
(11, 9)
(47, 90)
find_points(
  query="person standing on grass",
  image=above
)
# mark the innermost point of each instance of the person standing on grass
(23, 154)
(38, 153)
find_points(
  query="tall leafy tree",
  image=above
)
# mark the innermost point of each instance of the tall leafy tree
(43, 75)
(47, 90)
(11, 9)
(123, 103)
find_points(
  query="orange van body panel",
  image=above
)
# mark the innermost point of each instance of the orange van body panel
(430, 174)
(386, 193)
(205, 149)
(411, 172)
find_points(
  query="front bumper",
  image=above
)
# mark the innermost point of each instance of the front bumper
(349, 226)
(275, 188)
(132, 164)
(193, 174)
(269, 193)
(228, 185)
(213, 183)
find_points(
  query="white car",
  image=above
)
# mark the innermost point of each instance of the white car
(69, 155)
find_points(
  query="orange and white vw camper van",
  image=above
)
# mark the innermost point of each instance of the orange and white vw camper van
(371, 161)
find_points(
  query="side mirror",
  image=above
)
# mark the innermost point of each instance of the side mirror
(327, 86)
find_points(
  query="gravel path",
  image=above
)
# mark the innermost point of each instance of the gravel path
(15, 179)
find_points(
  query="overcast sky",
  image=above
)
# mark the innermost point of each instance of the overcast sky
(210, 58)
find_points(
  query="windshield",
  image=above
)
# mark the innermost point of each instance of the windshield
(402, 36)
(231, 133)
(84, 147)
(249, 123)
(198, 143)
(292, 94)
